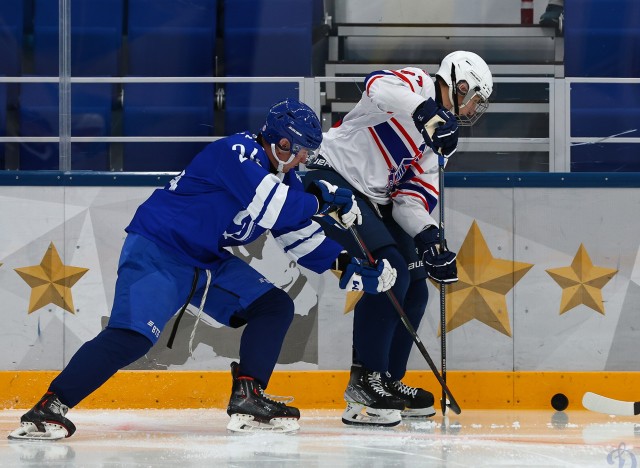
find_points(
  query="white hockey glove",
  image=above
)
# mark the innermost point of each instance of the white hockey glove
(438, 126)
(338, 203)
(360, 275)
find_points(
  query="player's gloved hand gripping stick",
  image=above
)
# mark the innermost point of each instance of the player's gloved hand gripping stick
(438, 126)
(337, 202)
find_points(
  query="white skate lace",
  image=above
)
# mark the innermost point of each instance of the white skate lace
(376, 384)
(279, 400)
(56, 406)
(405, 389)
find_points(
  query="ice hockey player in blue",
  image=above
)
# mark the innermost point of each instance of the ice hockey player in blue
(232, 192)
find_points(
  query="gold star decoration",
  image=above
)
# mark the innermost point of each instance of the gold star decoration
(582, 282)
(51, 281)
(483, 283)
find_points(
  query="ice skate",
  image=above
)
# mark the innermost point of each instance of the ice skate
(418, 402)
(251, 410)
(45, 421)
(368, 403)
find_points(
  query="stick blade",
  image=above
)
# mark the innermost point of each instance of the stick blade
(601, 404)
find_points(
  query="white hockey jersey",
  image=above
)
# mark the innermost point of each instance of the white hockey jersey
(381, 153)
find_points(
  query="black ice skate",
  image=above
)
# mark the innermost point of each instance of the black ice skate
(366, 392)
(418, 402)
(252, 410)
(45, 421)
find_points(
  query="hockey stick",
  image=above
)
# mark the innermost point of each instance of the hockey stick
(431, 128)
(443, 296)
(452, 403)
(602, 404)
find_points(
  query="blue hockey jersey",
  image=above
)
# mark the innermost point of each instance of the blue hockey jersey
(227, 196)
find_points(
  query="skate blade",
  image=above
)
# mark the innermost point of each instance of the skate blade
(246, 423)
(357, 414)
(414, 413)
(29, 431)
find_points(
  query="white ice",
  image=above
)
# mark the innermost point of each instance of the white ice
(195, 438)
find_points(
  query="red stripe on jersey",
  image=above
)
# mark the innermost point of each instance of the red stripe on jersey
(380, 147)
(404, 78)
(418, 79)
(337, 124)
(371, 82)
(417, 168)
(425, 185)
(416, 151)
(412, 194)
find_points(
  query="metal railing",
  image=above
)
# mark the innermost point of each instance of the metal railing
(310, 90)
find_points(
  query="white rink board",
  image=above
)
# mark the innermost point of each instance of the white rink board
(540, 226)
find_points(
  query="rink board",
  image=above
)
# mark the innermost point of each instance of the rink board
(324, 389)
(531, 339)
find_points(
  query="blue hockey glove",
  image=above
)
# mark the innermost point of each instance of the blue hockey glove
(438, 126)
(360, 275)
(439, 261)
(338, 204)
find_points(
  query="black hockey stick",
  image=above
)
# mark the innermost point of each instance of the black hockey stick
(452, 403)
(431, 128)
(443, 295)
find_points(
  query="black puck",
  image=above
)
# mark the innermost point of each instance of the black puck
(559, 402)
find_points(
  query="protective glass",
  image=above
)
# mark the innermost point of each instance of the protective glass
(296, 148)
(473, 98)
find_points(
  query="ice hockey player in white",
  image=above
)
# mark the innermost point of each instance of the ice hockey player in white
(385, 151)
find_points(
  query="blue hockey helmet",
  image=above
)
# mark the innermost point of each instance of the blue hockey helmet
(295, 121)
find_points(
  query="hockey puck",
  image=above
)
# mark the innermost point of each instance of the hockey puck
(559, 402)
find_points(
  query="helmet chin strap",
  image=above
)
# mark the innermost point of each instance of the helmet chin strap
(453, 92)
(281, 163)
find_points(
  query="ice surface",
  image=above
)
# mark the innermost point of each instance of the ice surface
(194, 438)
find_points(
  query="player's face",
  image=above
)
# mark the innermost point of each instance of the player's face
(468, 108)
(467, 104)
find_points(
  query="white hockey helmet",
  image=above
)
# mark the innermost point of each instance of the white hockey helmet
(468, 75)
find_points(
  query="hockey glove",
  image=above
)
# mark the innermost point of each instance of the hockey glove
(360, 275)
(438, 126)
(438, 260)
(338, 203)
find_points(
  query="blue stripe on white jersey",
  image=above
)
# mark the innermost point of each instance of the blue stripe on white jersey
(423, 192)
(375, 73)
(395, 145)
(266, 205)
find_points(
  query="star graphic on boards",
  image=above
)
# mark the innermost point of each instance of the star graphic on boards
(51, 281)
(352, 296)
(582, 282)
(483, 282)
